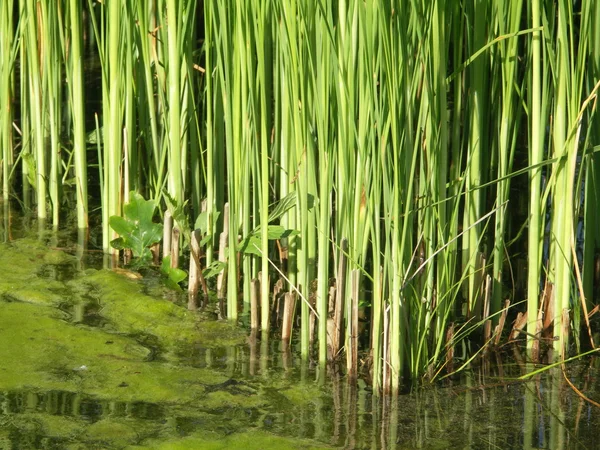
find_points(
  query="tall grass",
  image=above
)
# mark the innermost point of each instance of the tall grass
(369, 154)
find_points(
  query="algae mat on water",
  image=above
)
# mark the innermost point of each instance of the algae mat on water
(68, 385)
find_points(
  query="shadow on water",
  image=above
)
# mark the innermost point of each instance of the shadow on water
(79, 370)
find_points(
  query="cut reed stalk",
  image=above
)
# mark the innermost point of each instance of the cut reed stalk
(254, 293)
(195, 271)
(288, 316)
(175, 248)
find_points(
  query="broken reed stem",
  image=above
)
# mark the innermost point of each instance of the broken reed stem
(386, 379)
(289, 306)
(352, 346)
(222, 277)
(195, 271)
(487, 327)
(254, 291)
(127, 255)
(175, 248)
(155, 250)
(566, 326)
(501, 322)
(167, 232)
(312, 322)
(338, 314)
(223, 240)
(450, 348)
(518, 326)
(275, 303)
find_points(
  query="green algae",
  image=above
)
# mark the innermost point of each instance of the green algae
(49, 361)
(52, 426)
(21, 263)
(37, 293)
(57, 355)
(118, 432)
(73, 432)
(111, 364)
(248, 440)
(123, 302)
(224, 399)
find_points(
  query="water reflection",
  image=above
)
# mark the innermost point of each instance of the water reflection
(487, 407)
(72, 404)
(479, 410)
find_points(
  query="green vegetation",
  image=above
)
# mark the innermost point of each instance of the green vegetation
(435, 160)
(136, 229)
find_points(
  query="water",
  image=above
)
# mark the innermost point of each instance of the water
(92, 360)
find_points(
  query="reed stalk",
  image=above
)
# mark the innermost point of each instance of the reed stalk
(77, 99)
(51, 66)
(113, 43)
(569, 72)
(33, 25)
(592, 172)
(8, 47)
(536, 154)
(174, 98)
(320, 69)
(508, 19)
(476, 156)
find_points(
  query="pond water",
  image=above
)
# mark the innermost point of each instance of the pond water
(91, 359)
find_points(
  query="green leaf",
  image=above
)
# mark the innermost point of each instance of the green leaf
(215, 268)
(202, 221)
(165, 265)
(282, 206)
(279, 232)
(173, 274)
(139, 210)
(177, 275)
(136, 229)
(252, 244)
(118, 243)
(121, 225)
(177, 212)
(31, 169)
(205, 240)
(92, 136)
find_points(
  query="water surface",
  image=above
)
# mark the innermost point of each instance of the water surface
(91, 359)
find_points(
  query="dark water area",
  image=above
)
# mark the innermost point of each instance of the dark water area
(91, 359)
